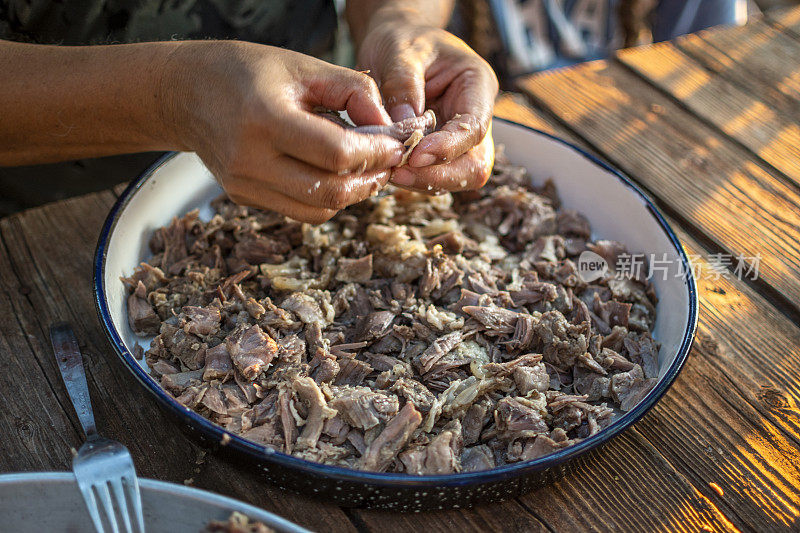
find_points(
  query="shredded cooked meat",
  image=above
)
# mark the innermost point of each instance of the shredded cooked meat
(237, 523)
(411, 333)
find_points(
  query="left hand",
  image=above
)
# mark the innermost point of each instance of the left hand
(421, 67)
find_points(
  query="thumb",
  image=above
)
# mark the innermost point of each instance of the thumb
(402, 85)
(341, 88)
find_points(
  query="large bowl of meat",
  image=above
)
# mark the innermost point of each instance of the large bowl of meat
(416, 351)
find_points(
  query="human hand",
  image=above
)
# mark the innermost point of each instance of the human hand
(248, 112)
(420, 68)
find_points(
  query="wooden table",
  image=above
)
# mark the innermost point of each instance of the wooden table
(710, 126)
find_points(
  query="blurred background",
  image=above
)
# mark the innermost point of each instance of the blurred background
(517, 37)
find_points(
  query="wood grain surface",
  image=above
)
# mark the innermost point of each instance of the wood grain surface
(721, 450)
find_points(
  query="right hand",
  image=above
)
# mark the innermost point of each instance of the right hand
(247, 110)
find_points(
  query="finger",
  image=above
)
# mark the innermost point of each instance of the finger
(341, 88)
(467, 105)
(467, 172)
(456, 137)
(312, 186)
(275, 201)
(328, 146)
(403, 87)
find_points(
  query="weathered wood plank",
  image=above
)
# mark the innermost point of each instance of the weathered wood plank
(772, 136)
(690, 168)
(119, 188)
(513, 106)
(719, 63)
(787, 19)
(46, 272)
(757, 51)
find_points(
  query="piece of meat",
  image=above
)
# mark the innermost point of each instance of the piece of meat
(414, 391)
(141, 316)
(644, 352)
(402, 130)
(182, 346)
(337, 429)
(629, 388)
(178, 382)
(152, 277)
(438, 349)
(611, 360)
(305, 307)
(398, 431)
(251, 350)
(473, 422)
(362, 407)
(612, 312)
(561, 341)
(570, 222)
(214, 400)
(318, 411)
(354, 270)
(495, 320)
(260, 249)
(540, 446)
(288, 423)
(524, 336)
(201, 321)
(477, 458)
(531, 378)
(514, 417)
(351, 371)
(533, 292)
(374, 326)
(441, 456)
(174, 241)
(218, 364)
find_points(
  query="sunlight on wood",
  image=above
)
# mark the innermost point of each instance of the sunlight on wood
(513, 107)
(695, 42)
(664, 63)
(757, 111)
(778, 470)
(574, 102)
(741, 47)
(784, 147)
(696, 522)
(787, 18)
(790, 85)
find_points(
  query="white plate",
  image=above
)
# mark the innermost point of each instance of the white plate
(51, 502)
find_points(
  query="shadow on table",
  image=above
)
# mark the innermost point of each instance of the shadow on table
(26, 187)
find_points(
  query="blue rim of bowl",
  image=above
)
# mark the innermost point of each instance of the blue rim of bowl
(501, 473)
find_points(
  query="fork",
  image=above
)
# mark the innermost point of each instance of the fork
(102, 467)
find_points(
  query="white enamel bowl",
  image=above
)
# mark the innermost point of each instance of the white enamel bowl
(617, 210)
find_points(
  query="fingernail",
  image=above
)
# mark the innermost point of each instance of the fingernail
(402, 112)
(422, 160)
(403, 178)
(397, 156)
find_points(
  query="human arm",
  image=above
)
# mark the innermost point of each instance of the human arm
(246, 109)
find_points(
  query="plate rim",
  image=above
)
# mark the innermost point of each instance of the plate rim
(398, 480)
(157, 485)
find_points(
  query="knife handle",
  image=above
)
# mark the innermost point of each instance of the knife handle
(70, 363)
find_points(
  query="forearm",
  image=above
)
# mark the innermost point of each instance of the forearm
(363, 15)
(59, 103)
